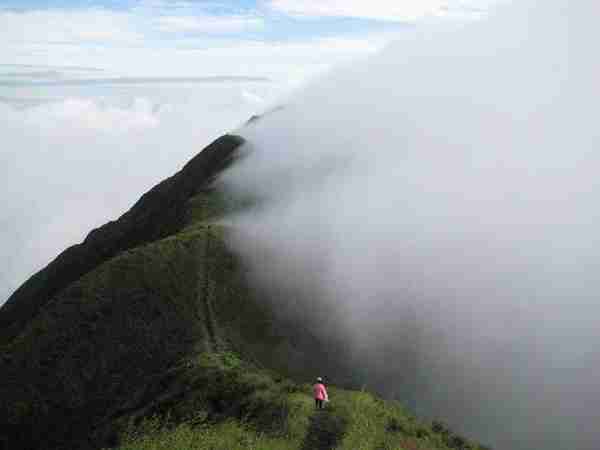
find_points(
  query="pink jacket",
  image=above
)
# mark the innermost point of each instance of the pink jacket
(320, 391)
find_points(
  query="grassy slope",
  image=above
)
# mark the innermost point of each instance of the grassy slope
(262, 411)
(113, 344)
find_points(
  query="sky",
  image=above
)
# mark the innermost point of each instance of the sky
(102, 99)
(283, 39)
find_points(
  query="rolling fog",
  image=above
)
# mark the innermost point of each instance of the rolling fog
(436, 206)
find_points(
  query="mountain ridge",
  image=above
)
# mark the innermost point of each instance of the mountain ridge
(107, 321)
(154, 318)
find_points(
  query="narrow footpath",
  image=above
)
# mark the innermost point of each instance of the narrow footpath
(325, 431)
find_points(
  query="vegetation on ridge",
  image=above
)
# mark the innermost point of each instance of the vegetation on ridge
(260, 410)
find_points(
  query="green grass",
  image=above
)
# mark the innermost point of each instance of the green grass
(240, 406)
(376, 424)
(230, 435)
(231, 405)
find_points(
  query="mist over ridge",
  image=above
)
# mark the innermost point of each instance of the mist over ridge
(447, 186)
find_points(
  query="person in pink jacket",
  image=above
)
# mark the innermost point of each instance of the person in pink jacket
(320, 393)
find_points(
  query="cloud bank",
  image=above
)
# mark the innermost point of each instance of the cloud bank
(21, 79)
(436, 206)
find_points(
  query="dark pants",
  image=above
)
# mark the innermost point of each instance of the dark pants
(318, 403)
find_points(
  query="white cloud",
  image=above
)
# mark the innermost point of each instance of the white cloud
(389, 10)
(283, 61)
(386, 10)
(252, 98)
(209, 24)
(62, 26)
(87, 114)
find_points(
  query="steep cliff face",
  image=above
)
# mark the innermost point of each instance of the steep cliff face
(110, 330)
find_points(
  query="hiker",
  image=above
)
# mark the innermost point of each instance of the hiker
(320, 393)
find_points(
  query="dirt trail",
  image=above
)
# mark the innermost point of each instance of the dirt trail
(325, 431)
